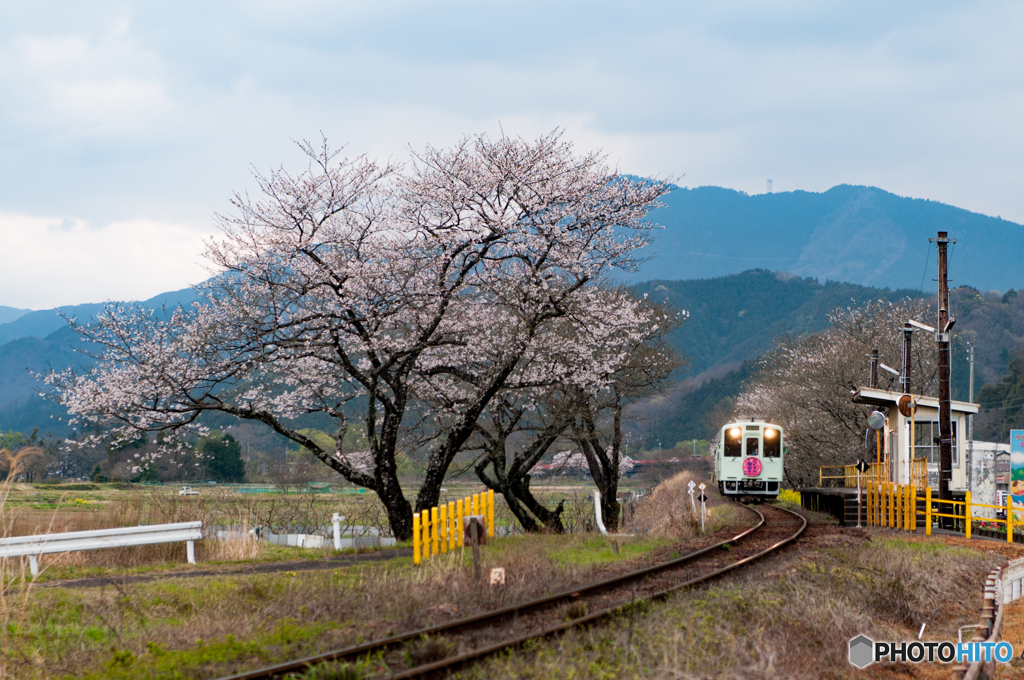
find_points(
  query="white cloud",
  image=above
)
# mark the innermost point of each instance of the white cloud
(51, 262)
(129, 112)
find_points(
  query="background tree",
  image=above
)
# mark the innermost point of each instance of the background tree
(222, 457)
(596, 428)
(805, 385)
(353, 286)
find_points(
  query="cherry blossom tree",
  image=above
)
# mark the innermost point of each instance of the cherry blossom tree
(353, 288)
(805, 384)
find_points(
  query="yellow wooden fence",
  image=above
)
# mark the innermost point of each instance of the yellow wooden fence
(439, 529)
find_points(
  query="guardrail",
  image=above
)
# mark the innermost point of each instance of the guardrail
(1002, 586)
(72, 541)
(439, 529)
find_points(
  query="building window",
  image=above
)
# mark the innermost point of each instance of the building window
(926, 441)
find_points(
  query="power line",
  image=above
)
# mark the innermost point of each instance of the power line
(927, 259)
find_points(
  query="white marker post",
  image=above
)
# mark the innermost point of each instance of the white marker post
(703, 510)
(693, 505)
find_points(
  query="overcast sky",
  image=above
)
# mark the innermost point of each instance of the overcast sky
(125, 126)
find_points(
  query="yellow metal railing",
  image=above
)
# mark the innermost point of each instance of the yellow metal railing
(895, 506)
(877, 472)
(847, 474)
(439, 529)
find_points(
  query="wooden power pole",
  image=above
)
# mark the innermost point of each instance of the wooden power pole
(942, 340)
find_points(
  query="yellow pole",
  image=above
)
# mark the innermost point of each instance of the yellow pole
(913, 507)
(889, 505)
(490, 513)
(878, 503)
(877, 509)
(434, 537)
(901, 502)
(415, 538)
(458, 528)
(476, 504)
(425, 523)
(908, 509)
(451, 525)
(1009, 518)
(442, 526)
(967, 513)
(927, 509)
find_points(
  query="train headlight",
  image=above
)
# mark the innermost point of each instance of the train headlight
(735, 432)
(770, 433)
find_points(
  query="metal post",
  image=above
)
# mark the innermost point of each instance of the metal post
(873, 372)
(858, 498)
(1009, 518)
(336, 521)
(474, 536)
(967, 512)
(190, 551)
(928, 511)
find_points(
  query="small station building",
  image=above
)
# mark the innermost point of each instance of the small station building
(918, 463)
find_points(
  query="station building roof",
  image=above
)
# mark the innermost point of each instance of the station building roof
(877, 397)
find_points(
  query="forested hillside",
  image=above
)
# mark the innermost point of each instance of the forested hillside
(732, 319)
(725, 333)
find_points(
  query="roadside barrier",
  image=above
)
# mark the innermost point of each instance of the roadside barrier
(896, 506)
(439, 529)
(72, 541)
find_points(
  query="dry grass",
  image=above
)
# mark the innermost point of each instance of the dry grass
(667, 512)
(793, 621)
(244, 621)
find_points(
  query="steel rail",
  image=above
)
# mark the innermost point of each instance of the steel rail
(496, 616)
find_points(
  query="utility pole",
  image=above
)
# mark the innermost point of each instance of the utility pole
(942, 340)
(970, 421)
(906, 384)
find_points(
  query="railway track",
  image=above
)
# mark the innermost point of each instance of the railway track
(467, 640)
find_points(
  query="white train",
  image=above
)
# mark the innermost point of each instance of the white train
(749, 459)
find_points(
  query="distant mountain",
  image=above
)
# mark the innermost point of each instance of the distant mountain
(735, 318)
(856, 234)
(8, 314)
(42, 323)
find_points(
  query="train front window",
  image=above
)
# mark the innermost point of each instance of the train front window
(772, 443)
(752, 446)
(733, 442)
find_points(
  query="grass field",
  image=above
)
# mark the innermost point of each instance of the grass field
(802, 613)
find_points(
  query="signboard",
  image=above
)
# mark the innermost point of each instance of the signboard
(751, 467)
(1017, 473)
